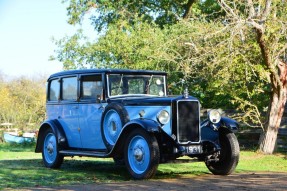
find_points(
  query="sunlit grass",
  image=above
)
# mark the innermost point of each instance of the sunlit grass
(253, 161)
(21, 167)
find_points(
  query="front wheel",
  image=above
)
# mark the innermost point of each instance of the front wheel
(119, 161)
(141, 154)
(228, 157)
(50, 152)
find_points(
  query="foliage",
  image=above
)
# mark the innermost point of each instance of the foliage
(29, 171)
(189, 49)
(265, 22)
(105, 13)
(22, 102)
(232, 54)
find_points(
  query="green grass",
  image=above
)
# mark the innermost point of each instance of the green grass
(21, 167)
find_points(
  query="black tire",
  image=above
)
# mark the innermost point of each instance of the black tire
(141, 154)
(50, 151)
(229, 154)
(113, 119)
(119, 161)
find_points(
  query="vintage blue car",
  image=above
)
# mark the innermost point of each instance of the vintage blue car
(128, 116)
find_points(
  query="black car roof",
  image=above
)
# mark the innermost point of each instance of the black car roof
(112, 71)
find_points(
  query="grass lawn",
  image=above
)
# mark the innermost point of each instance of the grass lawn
(21, 167)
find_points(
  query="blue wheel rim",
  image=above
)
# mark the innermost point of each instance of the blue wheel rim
(138, 154)
(112, 126)
(50, 148)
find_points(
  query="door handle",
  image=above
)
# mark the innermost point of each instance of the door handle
(101, 107)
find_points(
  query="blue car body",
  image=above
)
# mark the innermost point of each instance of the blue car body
(91, 113)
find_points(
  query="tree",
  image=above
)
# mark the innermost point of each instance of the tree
(22, 102)
(109, 12)
(267, 19)
(228, 51)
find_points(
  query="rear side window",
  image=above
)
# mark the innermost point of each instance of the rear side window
(69, 88)
(91, 87)
(54, 90)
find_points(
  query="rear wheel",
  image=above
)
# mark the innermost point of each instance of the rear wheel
(141, 154)
(50, 152)
(229, 154)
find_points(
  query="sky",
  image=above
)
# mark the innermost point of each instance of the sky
(26, 31)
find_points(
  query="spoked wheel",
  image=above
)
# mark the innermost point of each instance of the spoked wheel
(50, 152)
(229, 154)
(141, 154)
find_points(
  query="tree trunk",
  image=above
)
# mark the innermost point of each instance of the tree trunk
(278, 77)
(268, 138)
(187, 7)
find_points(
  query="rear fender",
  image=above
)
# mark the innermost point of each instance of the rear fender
(58, 131)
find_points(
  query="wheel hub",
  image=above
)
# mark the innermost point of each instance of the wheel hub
(114, 126)
(50, 148)
(139, 154)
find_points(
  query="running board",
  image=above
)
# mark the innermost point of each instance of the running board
(84, 153)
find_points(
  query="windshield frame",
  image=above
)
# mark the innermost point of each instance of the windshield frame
(143, 75)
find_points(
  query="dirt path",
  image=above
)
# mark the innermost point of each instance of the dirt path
(243, 181)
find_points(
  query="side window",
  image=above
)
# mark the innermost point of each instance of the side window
(69, 88)
(54, 90)
(91, 87)
(116, 84)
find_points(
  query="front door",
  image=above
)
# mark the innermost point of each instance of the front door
(90, 111)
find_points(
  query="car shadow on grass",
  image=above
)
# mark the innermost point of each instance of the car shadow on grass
(32, 172)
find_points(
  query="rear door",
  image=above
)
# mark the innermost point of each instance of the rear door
(70, 110)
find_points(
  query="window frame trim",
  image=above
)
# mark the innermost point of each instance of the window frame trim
(61, 89)
(49, 90)
(80, 88)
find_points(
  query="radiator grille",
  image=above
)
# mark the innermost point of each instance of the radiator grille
(188, 121)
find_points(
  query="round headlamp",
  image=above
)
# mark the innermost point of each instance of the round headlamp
(163, 117)
(214, 116)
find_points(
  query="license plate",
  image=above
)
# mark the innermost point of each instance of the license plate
(193, 149)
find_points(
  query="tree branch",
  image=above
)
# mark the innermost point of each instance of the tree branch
(255, 25)
(251, 9)
(281, 51)
(187, 7)
(227, 8)
(266, 10)
(274, 76)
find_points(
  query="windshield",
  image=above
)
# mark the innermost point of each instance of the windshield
(125, 85)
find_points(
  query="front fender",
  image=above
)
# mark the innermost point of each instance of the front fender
(210, 131)
(227, 122)
(231, 124)
(58, 131)
(147, 124)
